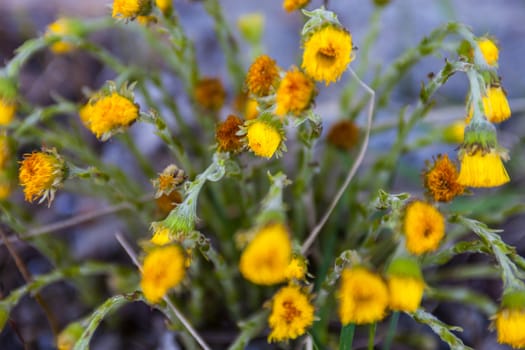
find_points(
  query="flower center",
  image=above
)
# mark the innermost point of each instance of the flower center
(291, 311)
(326, 56)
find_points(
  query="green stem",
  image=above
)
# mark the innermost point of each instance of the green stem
(347, 337)
(372, 336)
(249, 329)
(392, 327)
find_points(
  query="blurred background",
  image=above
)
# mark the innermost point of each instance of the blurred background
(402, 25)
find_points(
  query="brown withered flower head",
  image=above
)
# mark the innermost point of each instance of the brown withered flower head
(210, 94)
(440, 179)
(226, 134)
(344, 135)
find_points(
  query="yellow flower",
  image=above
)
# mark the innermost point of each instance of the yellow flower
(41, 173)
(7, 111)
(327, 53)
(510, 325)
(489, 50)
(210, 94)
(226, 134)
(129, 9)
(292, 5)
(405, 293)
(453, 133)
(343, 134)
(267, 256)
(163, 269)
(441, 180)
(105, 115)
(262, 76)
(295, 93)
(292, 314)
(482, 170)
(161, 236)
(363, 297)
(296, 269)
(263, 138)
(165, 6)
(424, 228)
(168, 180)
(495, 105)
(61, 26)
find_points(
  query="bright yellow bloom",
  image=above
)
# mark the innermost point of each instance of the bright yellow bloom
(262, 76)
(163, 269)
(489, 50)
(295, 93)
(363, 297)
(510, 325)
(165, 6)
(482, 170)
(296, 268)
(210, 94)
(263, 138)
(251, 110)
(107, 114)
(267, 256)
(61, 26)
(327, 53)
(405, 293)
(495, 105)
(129, 9)
(7, 111)
(161, 236)
(292, 314)
(292, 5)
(424, 228)
(41, 173)
(441, 180)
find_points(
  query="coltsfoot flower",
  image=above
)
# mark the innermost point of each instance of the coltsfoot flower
(424, 227)
(363, 296)
(62, 26)
(161, 235)
(265, 260)
(489, 50)
(441, 180)
(292, 314)
(264, 136)
(481, 158)
(327, 53)
(262, 76)
(343, 134)
(109, 112)
(405, 285)
(163, 269)
(226, 134)
(210, 94)
(292, 5)
(129, 9)
(495, 105)
(41, 174)
(510, 319)
(296, 269)
(294, 94)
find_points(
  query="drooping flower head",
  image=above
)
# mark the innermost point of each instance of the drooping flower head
(292, 314)
(110, 111)
(162, 270)
(510, 319)
(343, 134)
(41, 174)
(424, 227)
(405, 285)
(481, 158)
(495, 105)
(265, 259)
(129, 9)
(226, 134)
(292, 5)
(60, 27)
(363, 296)
(440, 180)
(264, 136)
(489, 50)
(327, 47)
(262, 76)
(210, 94)
(295, 93)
